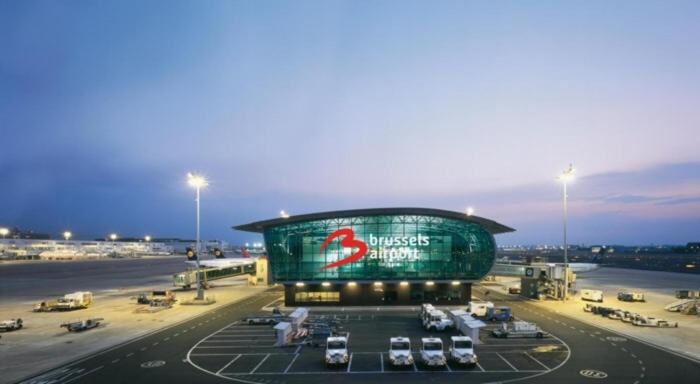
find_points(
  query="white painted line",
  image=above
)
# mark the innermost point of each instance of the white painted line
(259, 364)
(291, 362)
(115, 361)
(381, 360)
(448, 367)
(227, 364)
(537, 361)
(480, 367)
(349, 363)
(84, 374)
(166, 339)
(507, 362)
(143, 349)
(129, 354)
(298, 349)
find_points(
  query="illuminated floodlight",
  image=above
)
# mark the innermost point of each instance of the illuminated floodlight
(455, 282)
(568, 174)
(300, 284)
(113, 237)
(4, 232)
(67, 235)
(352, 284)
(326, 284)
(378, 283)
(430, 283)
(147, 238)
(284, 214)
(196, 180)
(469, 211)
(403, 283)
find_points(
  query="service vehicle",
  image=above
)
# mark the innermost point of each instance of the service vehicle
(518, 329)
(431, 353)
(628, 317)
(479, 308)
(437, 320)
(645, 321)
(589, 308)
(264, 319)
(11, 325)
(630, 296)
(400, 352)
(499, 314)
(82, 325)
(164, 298)
(603, 311)
(514, 290)
(70, 301)
(462, 350)
(616, 314)
(687, 294)
(592, 295)
(337, 351)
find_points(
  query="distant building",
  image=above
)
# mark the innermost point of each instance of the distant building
(693, 247)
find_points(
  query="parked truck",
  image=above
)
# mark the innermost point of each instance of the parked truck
(400, 352)
(518, 329)
(436, 320)
(431, 353)
(479, 308)
(70, 301)
(462, 350)
(592, 295)
(630, 296)
(498, 314)
(337, 351)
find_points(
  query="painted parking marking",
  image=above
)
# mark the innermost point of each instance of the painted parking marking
(537, 361)
(291, 362)
(227, 364)
(260, 363)
(507, 362)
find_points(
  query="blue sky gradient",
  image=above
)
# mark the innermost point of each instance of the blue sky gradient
(321, 105)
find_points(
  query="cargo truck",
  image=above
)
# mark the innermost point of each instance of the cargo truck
(592, 295)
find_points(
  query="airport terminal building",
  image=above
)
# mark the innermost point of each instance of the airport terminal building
(383, 256)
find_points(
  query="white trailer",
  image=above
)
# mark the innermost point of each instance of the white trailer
(479, 308)
(592, 295)
(519, 329)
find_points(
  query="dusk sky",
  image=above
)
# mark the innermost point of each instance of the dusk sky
(322, 105)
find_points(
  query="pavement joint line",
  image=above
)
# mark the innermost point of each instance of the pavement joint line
(259, 364)
(507, 362)
(228, 364)
(291, 362)
(537, 361)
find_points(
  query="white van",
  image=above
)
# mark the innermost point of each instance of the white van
(592, 295)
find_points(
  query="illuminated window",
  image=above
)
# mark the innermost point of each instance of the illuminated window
(317, 297)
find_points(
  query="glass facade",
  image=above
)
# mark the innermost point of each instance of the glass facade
(396, 247)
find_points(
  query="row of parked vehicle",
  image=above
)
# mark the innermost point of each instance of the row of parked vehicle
(629, 317)
(432, 353)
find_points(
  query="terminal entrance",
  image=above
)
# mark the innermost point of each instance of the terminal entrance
(377, 293)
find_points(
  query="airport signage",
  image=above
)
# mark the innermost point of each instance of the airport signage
(391, 250)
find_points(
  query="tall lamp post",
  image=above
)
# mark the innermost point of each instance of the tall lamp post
(67, 235)
(4, 232)
(566, 176)
(198, 182)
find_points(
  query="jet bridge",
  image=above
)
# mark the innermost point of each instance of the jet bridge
(537, 280)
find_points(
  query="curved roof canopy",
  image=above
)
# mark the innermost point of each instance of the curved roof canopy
(489, 225)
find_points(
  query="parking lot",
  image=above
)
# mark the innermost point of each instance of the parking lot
(247, 351)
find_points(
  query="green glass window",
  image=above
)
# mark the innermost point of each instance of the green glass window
(400, 247)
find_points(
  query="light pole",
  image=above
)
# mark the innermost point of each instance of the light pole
(4, 232)
(67, 235)
(198, 182)
(147, 238)
(566, 176)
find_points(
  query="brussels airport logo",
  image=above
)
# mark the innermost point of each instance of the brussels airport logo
(390, 249)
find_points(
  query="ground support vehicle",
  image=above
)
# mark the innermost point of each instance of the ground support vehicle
(592, 295)
(514, 290)
(644, 321)
(264, 320)
(11, 325)
(687, 294)
(479, 308)
(498, 314)
(71, 301)
(337, 351)
(400, 352)
(436, 320)
(518, 329)
(462, 350)
(157, 298)
(82, 325)
(431, 353)
(630, 296)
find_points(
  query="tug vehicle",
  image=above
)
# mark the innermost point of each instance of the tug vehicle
(82, 325)
(11, 325)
